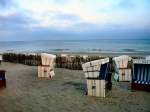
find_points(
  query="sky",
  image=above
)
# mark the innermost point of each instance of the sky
(74, 19)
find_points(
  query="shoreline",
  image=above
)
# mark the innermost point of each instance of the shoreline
(133, 54)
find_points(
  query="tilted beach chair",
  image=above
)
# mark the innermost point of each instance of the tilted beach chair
(141, 75)
(47, 68)
(97, 73)
(122, 71)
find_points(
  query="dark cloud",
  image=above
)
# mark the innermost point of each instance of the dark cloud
(15, 18)
(15, 21)
(89, 31)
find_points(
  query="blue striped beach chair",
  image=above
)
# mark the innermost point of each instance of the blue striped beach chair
(141, 75)
(2, 79)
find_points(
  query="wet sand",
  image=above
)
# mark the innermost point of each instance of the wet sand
(63, 93)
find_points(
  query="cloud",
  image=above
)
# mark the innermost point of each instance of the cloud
(52, 13)
(63, 16)
(127, 4)
(14, 22)
(5, 3)
(73, 18)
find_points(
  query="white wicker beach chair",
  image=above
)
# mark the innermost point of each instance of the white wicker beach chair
(47, 68)
(96, 73)
(122, 71)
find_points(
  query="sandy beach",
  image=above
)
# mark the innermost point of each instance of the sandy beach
(60, 54)
(63, 93)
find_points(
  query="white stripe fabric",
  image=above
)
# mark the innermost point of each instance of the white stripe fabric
(142, 74)
(148, 75)
(145, 75)
(138, 74)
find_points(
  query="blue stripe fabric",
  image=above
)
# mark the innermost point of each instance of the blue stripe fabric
(141, 73)
(135, 72)
(2, 76)
(148, 75)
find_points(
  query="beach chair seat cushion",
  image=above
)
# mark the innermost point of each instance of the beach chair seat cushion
(141, 82)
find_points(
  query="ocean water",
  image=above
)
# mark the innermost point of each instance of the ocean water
(87, 46)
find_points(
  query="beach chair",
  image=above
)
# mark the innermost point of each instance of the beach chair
(122, 69)
(1, 59)
(141, 75)
(2, 79)
(47, 68)
(147, 57)
(97, 75)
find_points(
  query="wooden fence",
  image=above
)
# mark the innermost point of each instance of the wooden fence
(68, 61)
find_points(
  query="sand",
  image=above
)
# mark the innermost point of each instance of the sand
(63, 93)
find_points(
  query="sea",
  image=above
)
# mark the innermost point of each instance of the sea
(80, 46)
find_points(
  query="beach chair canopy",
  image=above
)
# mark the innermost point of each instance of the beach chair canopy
(48, 55)
(147, 57)
(141, 71)
(122, 61)
(1, 58)
(96, 69)
(47, 59)
(121, 68)
(141, 61)
(94, 65)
